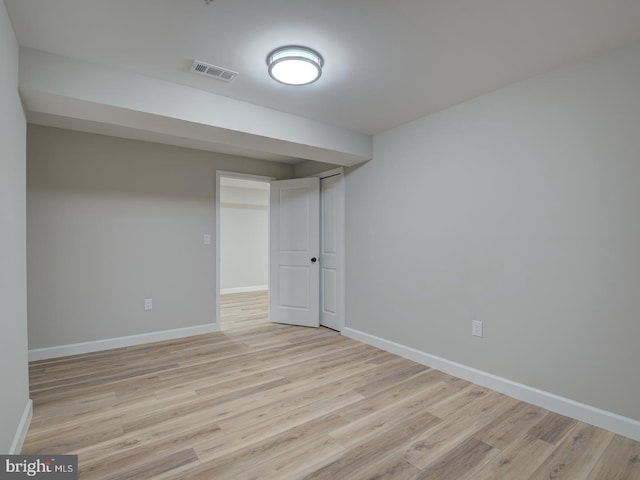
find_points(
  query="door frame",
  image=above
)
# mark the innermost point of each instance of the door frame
(341, 234)
(219, 175)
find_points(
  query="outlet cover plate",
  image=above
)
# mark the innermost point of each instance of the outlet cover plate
(476, 328)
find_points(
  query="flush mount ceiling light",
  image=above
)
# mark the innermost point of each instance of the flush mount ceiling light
(295, 65)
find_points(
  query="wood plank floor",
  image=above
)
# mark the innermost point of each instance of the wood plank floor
(268, 401)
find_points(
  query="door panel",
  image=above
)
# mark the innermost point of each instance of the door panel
(294, 288)
(329, 291)
(331, 259)
(294, 229)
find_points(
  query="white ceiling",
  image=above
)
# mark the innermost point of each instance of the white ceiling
(386, 62)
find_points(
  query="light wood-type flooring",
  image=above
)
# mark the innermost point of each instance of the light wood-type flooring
(268, 401)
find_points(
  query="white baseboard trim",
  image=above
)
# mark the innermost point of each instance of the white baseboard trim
(109, 343)
(23, 428)
(613, 422)
(253, 288)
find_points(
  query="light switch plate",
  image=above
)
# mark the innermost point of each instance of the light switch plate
(476, 328)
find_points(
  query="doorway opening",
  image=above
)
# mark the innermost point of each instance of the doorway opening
(243, 250)
(307, 251)
(244, 297)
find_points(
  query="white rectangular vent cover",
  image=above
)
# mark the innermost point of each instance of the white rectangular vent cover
(209, 70)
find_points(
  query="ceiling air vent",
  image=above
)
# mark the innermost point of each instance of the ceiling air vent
(209, 70)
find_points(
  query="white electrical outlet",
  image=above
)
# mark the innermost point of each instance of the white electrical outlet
(206, 239)
(476, 328)
(148, 304)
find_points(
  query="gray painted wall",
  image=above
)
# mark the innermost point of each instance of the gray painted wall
(520, 208)
(14, 379)
(112, 222)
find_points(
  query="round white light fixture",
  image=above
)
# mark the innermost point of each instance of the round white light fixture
(295, 65)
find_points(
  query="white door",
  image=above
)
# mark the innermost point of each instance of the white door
(294, 234)
(331, 252)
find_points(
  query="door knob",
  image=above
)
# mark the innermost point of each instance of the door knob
(314, 259)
